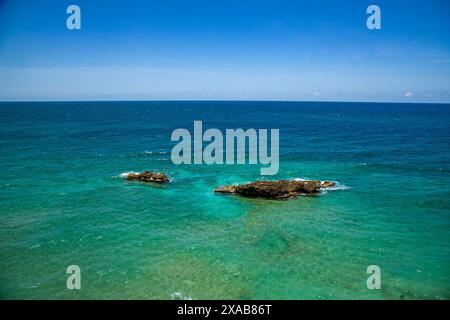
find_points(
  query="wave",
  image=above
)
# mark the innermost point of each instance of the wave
(404, 167)
(161, 152)
(177, 295)
(125, 174)
(337, 186)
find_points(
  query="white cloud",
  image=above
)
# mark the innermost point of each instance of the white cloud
(408, 94)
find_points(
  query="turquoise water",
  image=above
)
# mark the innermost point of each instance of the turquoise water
(63, 202)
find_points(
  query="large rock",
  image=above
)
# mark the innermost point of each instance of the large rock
(282, 189)
(148, 176)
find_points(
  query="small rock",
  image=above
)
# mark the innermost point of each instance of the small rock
(148, 176)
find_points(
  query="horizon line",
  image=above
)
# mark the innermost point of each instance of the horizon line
(224, 100)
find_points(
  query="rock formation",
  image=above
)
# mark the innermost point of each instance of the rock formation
(282, 189)
(148, 176)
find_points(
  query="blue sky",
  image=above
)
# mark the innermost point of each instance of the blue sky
(240, 50)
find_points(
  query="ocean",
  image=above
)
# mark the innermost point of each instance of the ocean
(64, 202)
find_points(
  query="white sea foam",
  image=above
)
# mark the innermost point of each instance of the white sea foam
(177, 295)
(161, 152)
(363, 164)
(337, 186)
(125, 174)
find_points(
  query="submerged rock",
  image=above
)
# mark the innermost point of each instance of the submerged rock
(148, 176)
(282, 189)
